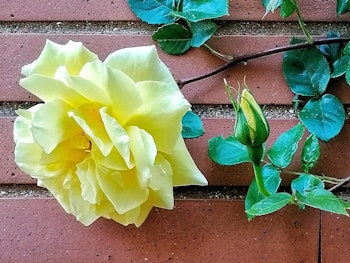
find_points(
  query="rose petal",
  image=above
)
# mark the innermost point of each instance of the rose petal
(50, 125)
(141, 64)
(21, 127)
(64, 152)
(90, 189)
(161, 115)
(122, 188)
(27, 157)
(86, 88)
(113, 160)
(185, 171)
(161, 184)
(48, 89)
(73, 55)
(89, 119)
(144, 152)
(123, 95)
(66, 189)
(28, 153)
(135, 216)
(118, 136)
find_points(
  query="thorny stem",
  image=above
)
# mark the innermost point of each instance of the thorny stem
(234, 61)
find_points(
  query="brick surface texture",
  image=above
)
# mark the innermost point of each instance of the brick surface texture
(199, 229)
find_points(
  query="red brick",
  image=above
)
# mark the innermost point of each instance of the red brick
(118, 10)
(238, 175)
(65, 10)
(195, 231)
(335, 238)
(263, 76)
(9, 172)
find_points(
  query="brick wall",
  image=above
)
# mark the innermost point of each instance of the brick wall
(207, 224)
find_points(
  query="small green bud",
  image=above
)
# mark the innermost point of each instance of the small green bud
(251, 127)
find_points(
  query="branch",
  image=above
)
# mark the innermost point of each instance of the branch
(344, 182)
(245, 58)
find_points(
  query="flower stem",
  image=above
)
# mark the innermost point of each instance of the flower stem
(309, 38)
(259, 179)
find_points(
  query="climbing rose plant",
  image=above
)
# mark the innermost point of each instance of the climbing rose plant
(106, 141)
(308, 66)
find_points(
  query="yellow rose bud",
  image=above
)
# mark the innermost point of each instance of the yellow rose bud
(251, 127)
(106, 141)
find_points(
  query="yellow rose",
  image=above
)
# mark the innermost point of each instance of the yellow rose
(107, 140)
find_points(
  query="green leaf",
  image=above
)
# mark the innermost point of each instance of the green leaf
(272, 180)
(335, 56)
(288, 7)
(347, 74)
(323, 117)
(271, 5)
(153, 11)
(269, 204)
(306, 183)
(310, 153)
(332, 52)
(227, 151)
(202, 31)
(192, 126)
(284, 148)
(340, 66)
(306, 71)
(346, 49)
(343, 6)
(195, 11)
(324, 200)
(173, 39)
